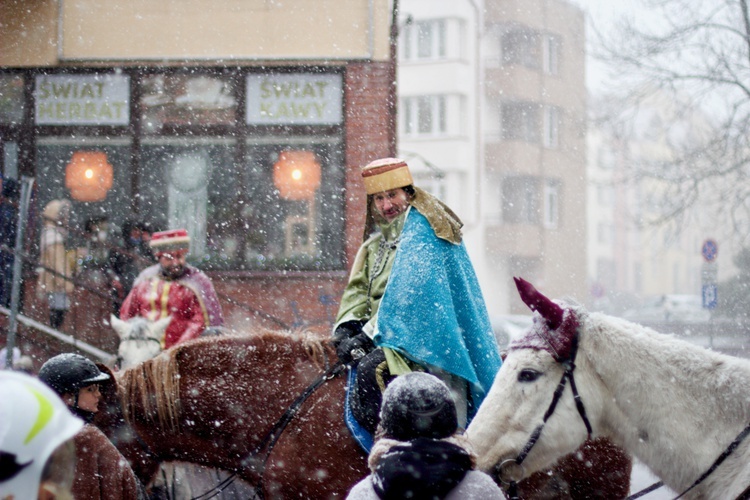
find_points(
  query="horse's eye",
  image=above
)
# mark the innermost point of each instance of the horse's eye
(528, 375)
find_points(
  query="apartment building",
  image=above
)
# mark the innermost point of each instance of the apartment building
(492, 117)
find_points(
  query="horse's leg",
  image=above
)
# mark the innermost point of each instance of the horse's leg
(599, 469)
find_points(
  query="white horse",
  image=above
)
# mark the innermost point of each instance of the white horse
(675, 406)
(140, 339)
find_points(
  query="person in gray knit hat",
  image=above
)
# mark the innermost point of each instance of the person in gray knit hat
(419, 453)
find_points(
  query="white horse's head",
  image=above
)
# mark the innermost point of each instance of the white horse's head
(522, 394)
(140, 339)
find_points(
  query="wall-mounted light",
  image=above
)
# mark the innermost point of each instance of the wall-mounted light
(88, 176)
(296, 175)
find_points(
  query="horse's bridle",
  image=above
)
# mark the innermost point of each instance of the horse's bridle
(570, 366)
(118, 358)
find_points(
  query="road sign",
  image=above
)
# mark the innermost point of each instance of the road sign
(709, 250)
(709, 296)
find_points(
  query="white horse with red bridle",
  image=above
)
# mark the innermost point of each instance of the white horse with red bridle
(681, 409)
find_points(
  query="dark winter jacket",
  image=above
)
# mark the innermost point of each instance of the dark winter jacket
(101, 471)
(423, 469)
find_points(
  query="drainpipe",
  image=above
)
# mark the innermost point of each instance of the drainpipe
(478, 96)
(392, 91)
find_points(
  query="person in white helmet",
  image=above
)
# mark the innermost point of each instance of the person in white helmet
(37, 454)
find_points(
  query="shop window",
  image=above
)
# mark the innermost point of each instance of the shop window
(53, 155)
(11, 99)
(10, 159)
(187, 100)
(521, 200)
(236, 214)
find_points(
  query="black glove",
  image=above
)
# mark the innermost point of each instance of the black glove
(347, 330)
(352, 349)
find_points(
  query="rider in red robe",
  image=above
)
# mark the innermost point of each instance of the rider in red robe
(174, 288)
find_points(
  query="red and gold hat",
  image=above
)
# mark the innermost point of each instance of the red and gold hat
(169, 241)
(386, 174)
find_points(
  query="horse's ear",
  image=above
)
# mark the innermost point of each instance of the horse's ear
(160, 326)
(563, 330)
(118, 325)
(550, 311)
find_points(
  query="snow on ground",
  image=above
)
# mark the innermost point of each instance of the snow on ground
(642, 477)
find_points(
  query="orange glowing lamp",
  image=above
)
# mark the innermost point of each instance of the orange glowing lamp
(296, 175)
(88, 176)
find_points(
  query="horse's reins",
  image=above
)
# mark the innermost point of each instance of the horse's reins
(273, 436)
(570, 367)
(724, 455)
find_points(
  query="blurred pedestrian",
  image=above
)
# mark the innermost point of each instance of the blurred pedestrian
(101, 471)
(15, 356)
(57, 265)
(128, 260)
(37, 453)
(419, 453)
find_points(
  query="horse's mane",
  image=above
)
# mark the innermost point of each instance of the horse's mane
(153, 387)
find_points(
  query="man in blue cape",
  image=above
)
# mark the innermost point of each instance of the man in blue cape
(413, 301)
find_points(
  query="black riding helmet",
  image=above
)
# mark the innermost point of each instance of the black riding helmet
(69, 372)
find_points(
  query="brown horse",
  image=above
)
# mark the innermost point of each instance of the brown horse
(213, 401)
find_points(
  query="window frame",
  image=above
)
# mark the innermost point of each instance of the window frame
(415, 34)
(413, 117)
(551, 127)
(551, 47)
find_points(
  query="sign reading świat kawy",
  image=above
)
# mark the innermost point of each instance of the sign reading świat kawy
(294, 99)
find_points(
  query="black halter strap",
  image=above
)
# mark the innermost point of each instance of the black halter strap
(258, 458)
(570, 367)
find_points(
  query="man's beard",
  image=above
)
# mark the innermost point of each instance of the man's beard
(173, 272)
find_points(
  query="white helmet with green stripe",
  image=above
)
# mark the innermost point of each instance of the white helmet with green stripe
(34, 421)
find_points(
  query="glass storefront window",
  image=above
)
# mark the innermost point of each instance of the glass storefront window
(11, 99)
(261, 194)
(10, 159)
(236, 214)
(186, 100)
(52, 157)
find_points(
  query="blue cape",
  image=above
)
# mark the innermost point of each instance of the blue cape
(433, 311)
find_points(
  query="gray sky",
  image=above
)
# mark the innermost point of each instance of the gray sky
(602, 13)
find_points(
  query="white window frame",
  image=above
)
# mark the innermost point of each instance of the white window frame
(551, 54)
(425, 115)
(425, 40)
(551, 126)
(551, 193)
